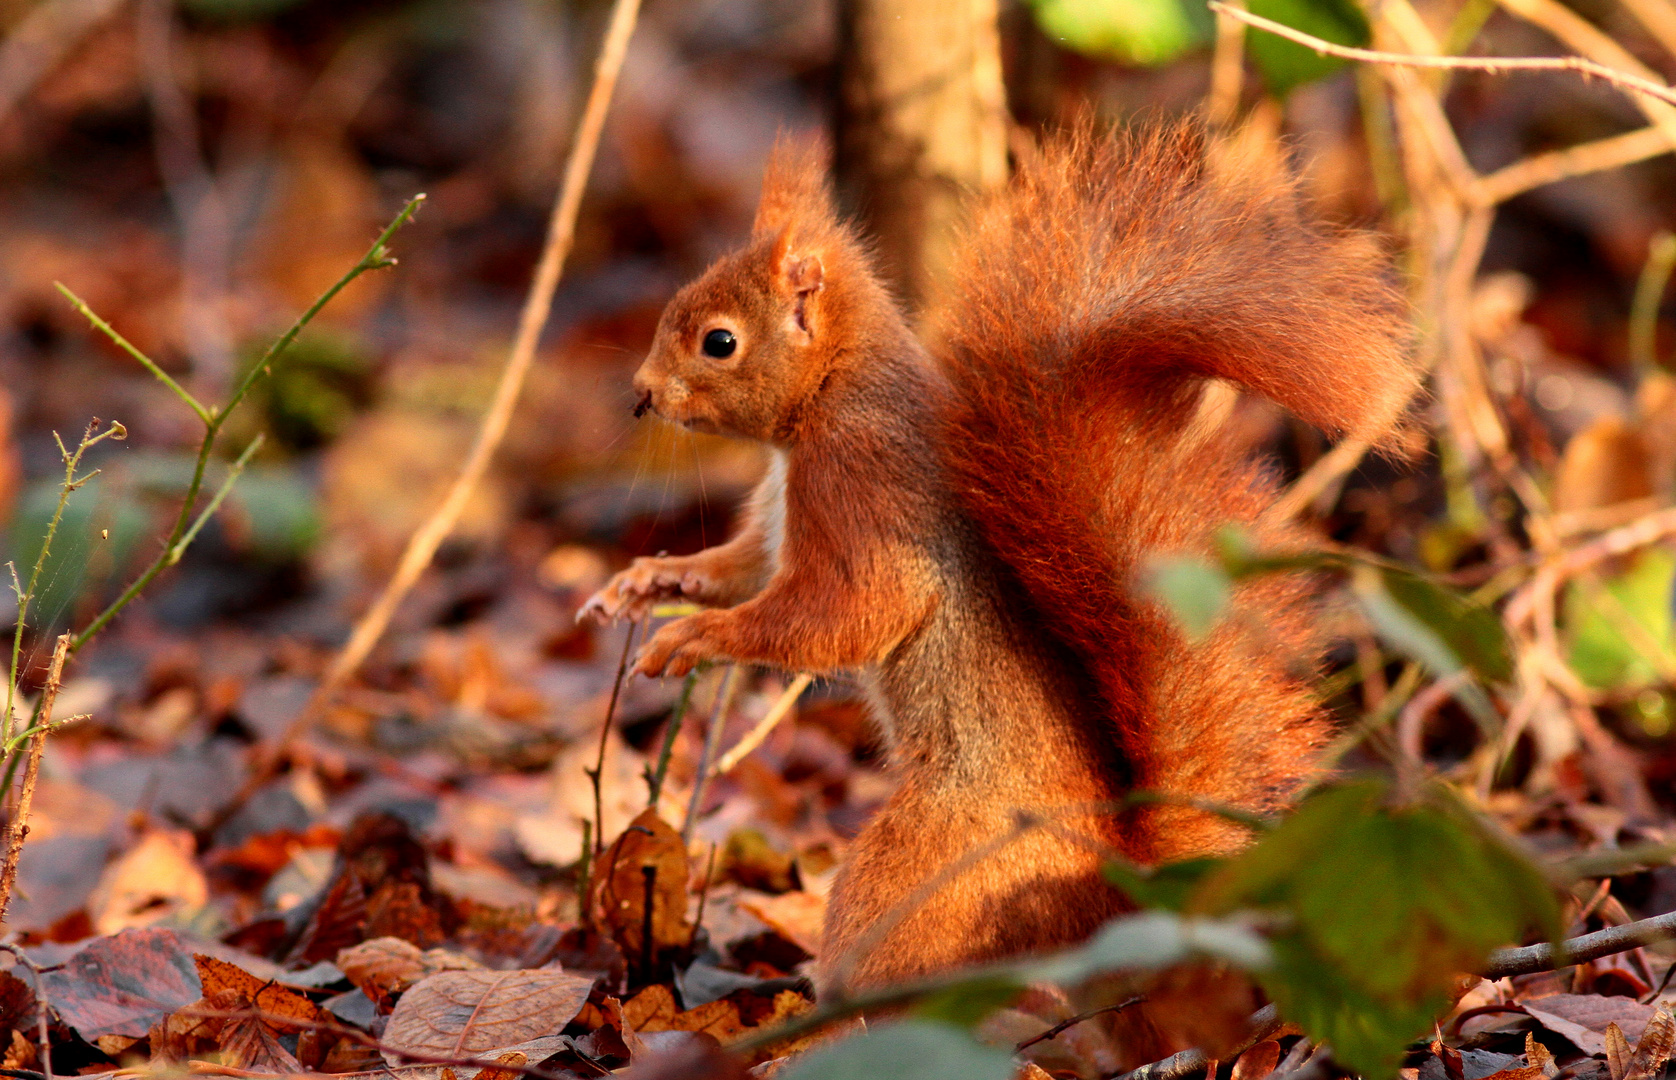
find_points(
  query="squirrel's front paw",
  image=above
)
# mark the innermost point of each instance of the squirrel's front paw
(634, 591)
(678, 647)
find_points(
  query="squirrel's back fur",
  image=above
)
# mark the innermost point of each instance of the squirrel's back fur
(1095, 296)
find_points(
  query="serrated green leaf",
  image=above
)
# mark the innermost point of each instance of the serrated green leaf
(1382, 904)
(909, 1050)
(1286, 64)
(1194, 590)
(1134, 31)
(1620, 629)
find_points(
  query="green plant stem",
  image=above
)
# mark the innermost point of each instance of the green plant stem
(233, 474)
(654, 777)
(122, 343)
(1649, 293)
(376, 258)
(72, 461)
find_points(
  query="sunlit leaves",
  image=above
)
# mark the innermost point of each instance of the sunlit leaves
(1134, 32)
(1380, 902)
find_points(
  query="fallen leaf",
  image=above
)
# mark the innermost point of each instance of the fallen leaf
(652, 1009)
(384, 967)
(337, 923)
(719, 1019)
(795, 916)
(1654, 1047)
(123, 984)
(648, 853)
(398, 909)
(1582, 1018)
(275, 1002)
(1618, 1051)
(453, 1013)
(1540, 1056)
(158, 879)
(248, 1043)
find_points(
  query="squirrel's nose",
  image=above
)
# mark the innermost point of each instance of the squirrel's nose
(641, 406)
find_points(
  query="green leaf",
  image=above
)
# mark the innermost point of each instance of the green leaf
(1440, 629)
(1620, 629)
(1194, 590)
(1381, 905)
(910, 1050)
(1170, 886)
(1286, 64)
(1472, 632)
(1148, 32)
(965, 1005)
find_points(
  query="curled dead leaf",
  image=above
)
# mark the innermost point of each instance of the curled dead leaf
(646, 865)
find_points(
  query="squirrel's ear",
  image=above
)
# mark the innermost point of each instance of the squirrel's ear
(794, 194)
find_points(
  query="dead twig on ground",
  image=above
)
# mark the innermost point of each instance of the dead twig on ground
(754, 738)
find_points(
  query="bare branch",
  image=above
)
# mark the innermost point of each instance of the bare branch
(1492, 64)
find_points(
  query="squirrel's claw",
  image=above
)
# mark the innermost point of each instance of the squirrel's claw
(674, 650)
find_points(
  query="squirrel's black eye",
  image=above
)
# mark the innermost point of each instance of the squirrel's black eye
(720, 344)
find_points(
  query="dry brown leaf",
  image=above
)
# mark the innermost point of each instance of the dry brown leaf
(276, 1002)
(1257, 1062)
(648, 850)
(1451, 1059)
(397, 909)
(1582, 1018)
(1031, 1071)
(1540, 1056)
(157, 879)
(718, 1019)
(384, 967)
(248, 1043)
(1618, 1051)
(1604, 464)
(1654, 1047)
(122, 985)
(653, 1009)
(795, 916)
(469, 1012)
(515, 1057)
(337, 923)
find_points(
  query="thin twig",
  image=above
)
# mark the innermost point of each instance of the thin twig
(1227, 70)
(18, 829)
(1532, 172)
(703, 896)
(561, 231)
(595, 775)
(754, 737)
(1492, 64)
(1649, 294)
(1264, 1023)
(1065, 1025)
(1580, 950)
(712, 735)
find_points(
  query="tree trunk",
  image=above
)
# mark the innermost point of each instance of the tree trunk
(922, 124)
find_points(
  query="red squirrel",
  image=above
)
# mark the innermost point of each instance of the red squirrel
(963, 522)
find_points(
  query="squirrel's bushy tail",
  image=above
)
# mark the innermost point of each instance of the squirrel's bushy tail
(1095, 296)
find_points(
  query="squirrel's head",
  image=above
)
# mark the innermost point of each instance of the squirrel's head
(743, 350)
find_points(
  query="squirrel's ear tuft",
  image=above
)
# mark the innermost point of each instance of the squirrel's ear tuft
(794, 193)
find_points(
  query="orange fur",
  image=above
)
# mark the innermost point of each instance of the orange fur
(965, 529)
